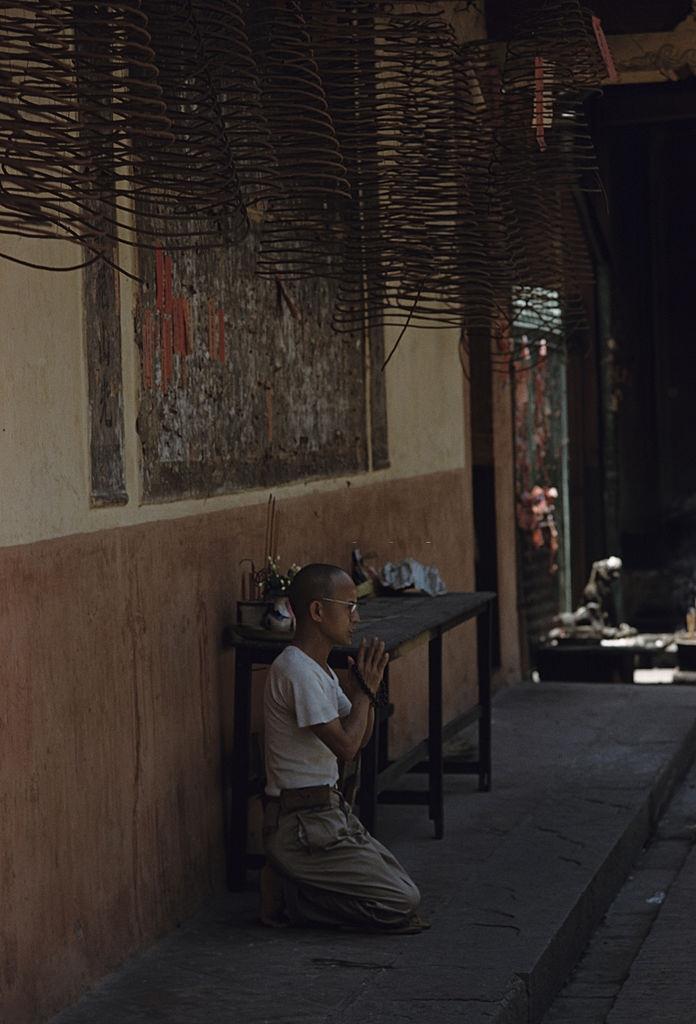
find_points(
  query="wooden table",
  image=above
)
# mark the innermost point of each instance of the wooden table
(404, 623)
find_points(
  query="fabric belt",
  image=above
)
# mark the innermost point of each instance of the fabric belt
(304, 798)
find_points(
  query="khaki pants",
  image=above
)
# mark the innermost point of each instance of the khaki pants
(334, 871)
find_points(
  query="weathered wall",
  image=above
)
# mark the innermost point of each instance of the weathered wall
(116, 689)
(43, 438)
(44, 430)
(110, 626)
(110, 725)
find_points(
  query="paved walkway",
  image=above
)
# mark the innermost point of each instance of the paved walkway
(636, 966)
(662, 983)
(514, 890)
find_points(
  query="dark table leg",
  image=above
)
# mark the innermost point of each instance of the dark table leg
(369, 758)
(239, 797)
(627, 666)
(384, 725)
(437, 811)
(484, 675)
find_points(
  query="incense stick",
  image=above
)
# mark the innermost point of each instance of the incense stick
(267, 537)
(276, 517)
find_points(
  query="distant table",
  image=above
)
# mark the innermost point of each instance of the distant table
(404, 623)
(600, 661)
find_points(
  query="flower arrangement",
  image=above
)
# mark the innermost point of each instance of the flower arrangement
(264, 603)
(271, 582)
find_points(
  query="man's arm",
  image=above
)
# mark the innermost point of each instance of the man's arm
(346, 736)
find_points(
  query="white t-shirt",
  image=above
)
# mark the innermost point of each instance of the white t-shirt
(299, 693)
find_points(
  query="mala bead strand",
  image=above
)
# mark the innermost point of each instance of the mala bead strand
(375, 698)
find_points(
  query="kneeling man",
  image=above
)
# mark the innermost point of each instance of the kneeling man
(333, 871)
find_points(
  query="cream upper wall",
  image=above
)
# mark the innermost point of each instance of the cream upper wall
(44, 465)
(43, 443)
(424, 402)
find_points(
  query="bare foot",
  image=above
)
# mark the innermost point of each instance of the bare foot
(272, 912)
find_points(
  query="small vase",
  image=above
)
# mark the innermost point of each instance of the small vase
(279, 617)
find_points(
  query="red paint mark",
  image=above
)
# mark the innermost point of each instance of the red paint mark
(166, 352)
(538, 119)
(221, 335)
(159, 278)
(188, 333)
(179, 318)
(603, 45)
(148, 348)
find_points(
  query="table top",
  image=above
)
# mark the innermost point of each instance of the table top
(403, 621)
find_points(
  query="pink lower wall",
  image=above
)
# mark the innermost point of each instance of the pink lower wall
(115, 698)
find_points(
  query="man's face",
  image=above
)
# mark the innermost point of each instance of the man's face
(338, 624)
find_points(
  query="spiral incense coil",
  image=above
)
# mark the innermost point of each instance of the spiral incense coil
(533, 237)
(68, 114)
(195, 191)
(343, 34)
(300, 236)
(428, 211)
(234, 78)
(429, 183)
(492, 260)
(390, 83)
(152, 103)
(190, 192)
(552, 61)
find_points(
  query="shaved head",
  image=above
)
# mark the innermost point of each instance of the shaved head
(312, 583)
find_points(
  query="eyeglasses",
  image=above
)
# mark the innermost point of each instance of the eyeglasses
(352, 606)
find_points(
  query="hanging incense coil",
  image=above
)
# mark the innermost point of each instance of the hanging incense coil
(551, 65)
(428, 208)
(152, 102)
(221, 160)
(493, 262)
(390, 84)
(301, 234)
(532, 238)
(552, 62)
(190, 193)
(69, 114)
(343, 34)
(234, 80)
(376, 149)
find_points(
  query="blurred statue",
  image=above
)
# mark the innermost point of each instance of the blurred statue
(595, 618)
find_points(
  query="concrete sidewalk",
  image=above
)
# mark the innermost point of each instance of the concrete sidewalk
(523, 875)
(661, 985)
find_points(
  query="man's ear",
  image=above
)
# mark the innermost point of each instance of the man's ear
(316, 611)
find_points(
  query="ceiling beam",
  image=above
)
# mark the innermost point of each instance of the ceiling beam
(655, 56)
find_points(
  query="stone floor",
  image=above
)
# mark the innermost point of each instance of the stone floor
(637, 964)
(514, 891)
